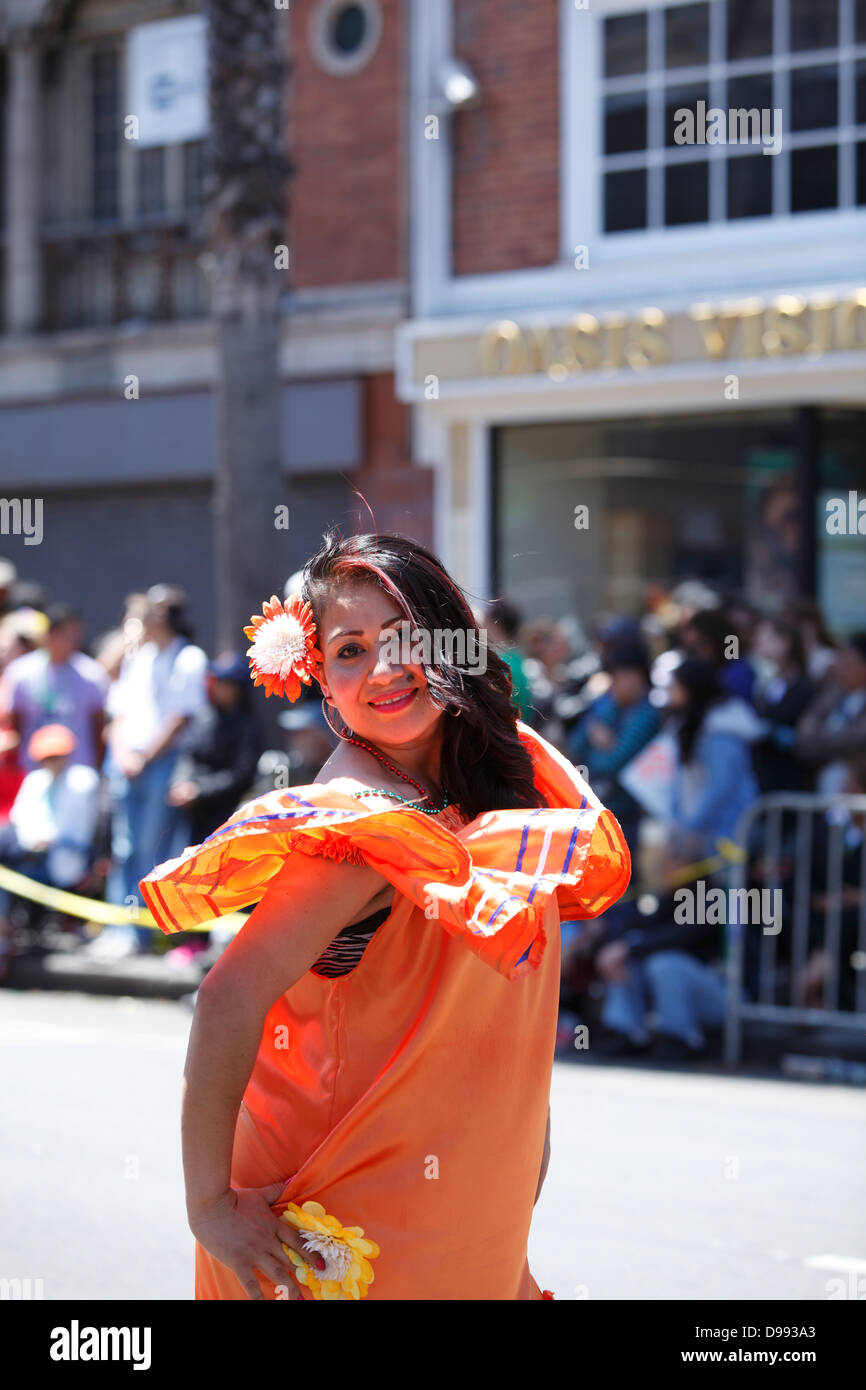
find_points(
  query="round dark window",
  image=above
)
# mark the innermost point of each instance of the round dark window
(349, 29)
(344, 36)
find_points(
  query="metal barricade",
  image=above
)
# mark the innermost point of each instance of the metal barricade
(803, 811)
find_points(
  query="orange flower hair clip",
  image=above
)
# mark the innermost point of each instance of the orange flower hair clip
(283, 651)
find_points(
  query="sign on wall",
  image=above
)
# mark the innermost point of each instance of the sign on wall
(785, 326)
(166, 80)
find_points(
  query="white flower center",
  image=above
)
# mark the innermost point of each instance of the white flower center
(278, 645)
(338, 1257)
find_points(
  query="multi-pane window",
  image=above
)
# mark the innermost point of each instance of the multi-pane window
(121, 229)
(157, 172)
(150, 180)
(194, 174)
(3, 99)
(105, 133)
(694, 93)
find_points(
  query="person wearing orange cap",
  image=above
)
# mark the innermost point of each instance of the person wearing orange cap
(365, 1110)
(53, 818)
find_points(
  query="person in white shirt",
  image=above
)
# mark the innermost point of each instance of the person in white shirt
(53, 817)
(160, 687)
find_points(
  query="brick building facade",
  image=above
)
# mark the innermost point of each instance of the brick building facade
(512, 292)
(102, 279)
(669, 333)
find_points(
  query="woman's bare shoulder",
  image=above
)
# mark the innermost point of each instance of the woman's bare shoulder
(349, 772)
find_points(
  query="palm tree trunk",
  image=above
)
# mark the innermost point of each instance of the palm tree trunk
(246, 224)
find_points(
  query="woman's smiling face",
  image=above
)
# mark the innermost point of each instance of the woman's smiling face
(362, 674)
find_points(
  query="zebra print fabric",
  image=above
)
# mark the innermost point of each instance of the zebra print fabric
(348, 946)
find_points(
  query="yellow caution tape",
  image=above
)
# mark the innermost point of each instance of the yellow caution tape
(108, 914)
(729, 853)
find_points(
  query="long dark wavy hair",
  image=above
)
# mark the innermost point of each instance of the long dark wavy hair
(700, 680)
(484, 764)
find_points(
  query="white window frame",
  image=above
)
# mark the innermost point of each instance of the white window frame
(669, 267)
(583, 208)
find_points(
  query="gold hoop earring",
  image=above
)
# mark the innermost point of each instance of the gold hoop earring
(343, 733)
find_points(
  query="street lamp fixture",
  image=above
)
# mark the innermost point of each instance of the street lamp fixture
(458, 86)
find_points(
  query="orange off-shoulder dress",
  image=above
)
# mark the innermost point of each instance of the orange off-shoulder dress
(410, 1096)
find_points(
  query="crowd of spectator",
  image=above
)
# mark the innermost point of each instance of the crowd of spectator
(679, 720)
(114, 762)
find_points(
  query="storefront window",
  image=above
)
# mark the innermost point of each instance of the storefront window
(840, 521)
(591, 514)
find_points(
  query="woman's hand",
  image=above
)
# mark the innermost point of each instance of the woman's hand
(239, 1229)
(130, 763)
(182, 793)
(601, 735)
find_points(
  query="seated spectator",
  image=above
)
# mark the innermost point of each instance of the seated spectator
(707, 635)
(818, 645)
(672, 971)
(832, 731)
(836, 896)
(613, 633)
(714, 783)
(58, 684)
(830, 877)
(743, 619)
(53, 818)
(502, 621)
(220, 750)
(548, 653)
(614, 729)
(782, 693)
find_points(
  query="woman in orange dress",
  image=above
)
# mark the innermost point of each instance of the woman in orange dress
(366, 1092)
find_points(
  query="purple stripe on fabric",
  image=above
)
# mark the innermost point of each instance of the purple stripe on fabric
(524, 839)
(571, 844)
(513, 898)
(278, 815)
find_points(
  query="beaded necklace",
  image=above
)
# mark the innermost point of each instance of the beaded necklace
(385, 791)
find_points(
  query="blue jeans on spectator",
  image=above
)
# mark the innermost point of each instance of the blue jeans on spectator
(684, 993)
(28, 862)
(145, 830)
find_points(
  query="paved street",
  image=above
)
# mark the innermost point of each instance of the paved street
(675, 1186)
(662, 1184)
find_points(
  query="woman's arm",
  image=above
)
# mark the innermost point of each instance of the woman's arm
(310, 900)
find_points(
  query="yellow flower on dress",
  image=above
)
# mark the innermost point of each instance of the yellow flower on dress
(346, 1251)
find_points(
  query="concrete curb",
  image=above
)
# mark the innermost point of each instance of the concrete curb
(141, 976)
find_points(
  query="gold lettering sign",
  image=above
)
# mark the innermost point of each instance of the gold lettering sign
(788, 325)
